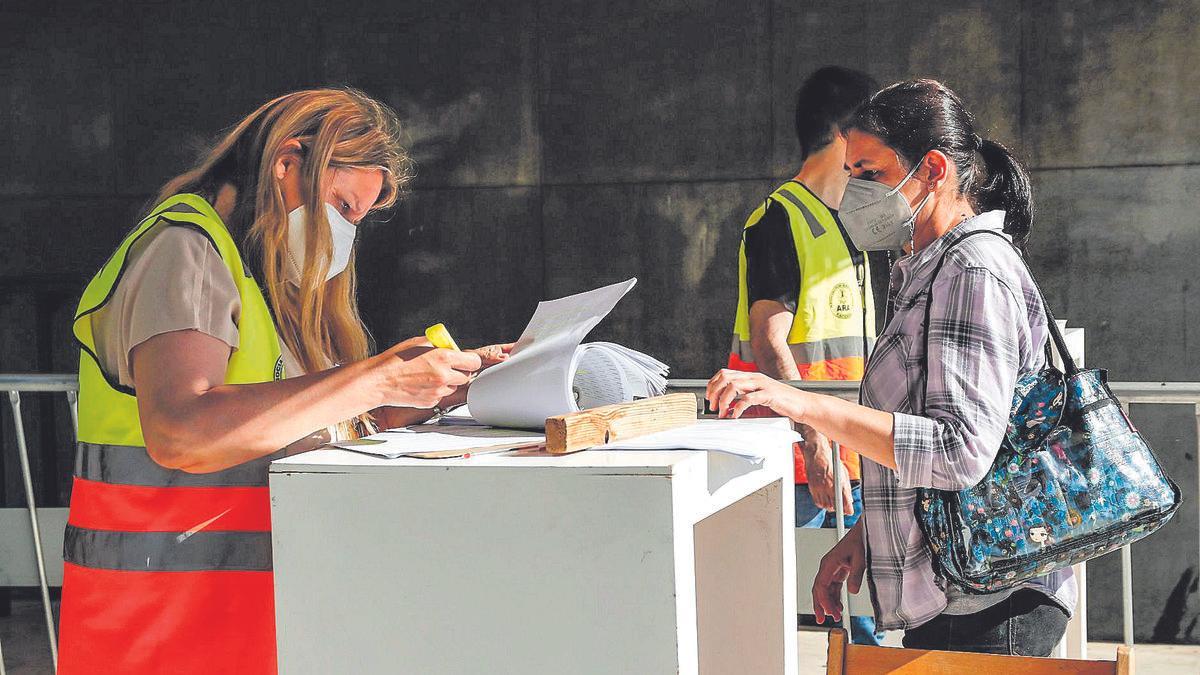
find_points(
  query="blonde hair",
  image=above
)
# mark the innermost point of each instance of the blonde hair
(337, 128)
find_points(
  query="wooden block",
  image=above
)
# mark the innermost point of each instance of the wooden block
(588, 428)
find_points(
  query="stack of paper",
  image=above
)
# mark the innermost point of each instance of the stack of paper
(550, 373)
(749, 439)
(607, 373)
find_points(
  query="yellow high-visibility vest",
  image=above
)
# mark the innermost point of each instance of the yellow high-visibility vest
(159, 560)
(107, 410)
(834, 312)
(834, 325)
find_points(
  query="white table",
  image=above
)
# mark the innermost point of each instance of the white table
(596, 562)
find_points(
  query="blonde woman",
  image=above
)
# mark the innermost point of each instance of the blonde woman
(221, 334)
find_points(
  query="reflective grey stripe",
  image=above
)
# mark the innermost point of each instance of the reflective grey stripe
(742, 349)
(202, 551)
(180, 208)
(814, 225)
(832, 348)
(132, 465)
(811, 352)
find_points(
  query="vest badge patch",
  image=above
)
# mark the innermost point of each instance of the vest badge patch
(841, 301)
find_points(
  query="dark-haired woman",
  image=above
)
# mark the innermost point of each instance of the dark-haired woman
(936, 404)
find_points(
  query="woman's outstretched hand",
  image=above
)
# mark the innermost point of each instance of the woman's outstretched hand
(731, 392)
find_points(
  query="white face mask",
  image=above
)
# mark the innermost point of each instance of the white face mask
(341, 232)
(876, 217)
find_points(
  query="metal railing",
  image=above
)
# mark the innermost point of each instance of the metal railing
(1182, 393)
(15, 385)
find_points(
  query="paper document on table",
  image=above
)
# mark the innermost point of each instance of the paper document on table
(741, 438)
(435, 439)
(550, 373)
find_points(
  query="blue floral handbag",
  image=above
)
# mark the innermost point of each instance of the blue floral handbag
(1073, 480)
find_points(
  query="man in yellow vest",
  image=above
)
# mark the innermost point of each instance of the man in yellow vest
(805, 310)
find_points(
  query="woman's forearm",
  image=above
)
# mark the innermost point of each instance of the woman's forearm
(229, 424)
(192, 421)
(865, 430)
(394, 417)
(391, 417)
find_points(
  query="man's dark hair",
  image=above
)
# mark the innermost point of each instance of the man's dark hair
(825, 102)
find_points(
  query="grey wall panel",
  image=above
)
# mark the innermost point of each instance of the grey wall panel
(666, 90)
(62, 237)
(18, 353)
(187, 72)
(56, 120)
(1113, 83)
(971, 46)
(470, 258)
(460, 74)
(679, 240)
(52, 246)
(1116, 251)
(1130, 239)
(1166, 607)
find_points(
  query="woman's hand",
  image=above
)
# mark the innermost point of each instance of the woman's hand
(867, 430)
(818, 464)
(414, 374)
(393, 416)
(846, 561)
(731, 392)
(493, 354)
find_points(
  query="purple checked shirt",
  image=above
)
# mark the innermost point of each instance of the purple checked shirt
(986, 327)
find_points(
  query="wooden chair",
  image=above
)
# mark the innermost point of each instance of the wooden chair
(850, 659)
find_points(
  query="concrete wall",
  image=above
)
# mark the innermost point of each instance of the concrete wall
(566, 144)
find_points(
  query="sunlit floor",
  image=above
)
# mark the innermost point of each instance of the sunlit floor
(23, 640)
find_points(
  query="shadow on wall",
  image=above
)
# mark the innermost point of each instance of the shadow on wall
(679, 239)
(1170, 626)
(461, 75)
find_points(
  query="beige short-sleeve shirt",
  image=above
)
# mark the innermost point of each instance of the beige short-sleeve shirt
(173, 280)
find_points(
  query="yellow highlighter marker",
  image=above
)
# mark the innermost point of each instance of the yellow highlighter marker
(440, 337)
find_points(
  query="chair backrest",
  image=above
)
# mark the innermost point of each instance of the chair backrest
(850, 659)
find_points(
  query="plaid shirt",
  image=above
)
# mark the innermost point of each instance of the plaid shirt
(987, 325)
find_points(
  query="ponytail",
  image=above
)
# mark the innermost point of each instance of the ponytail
(1004, 184)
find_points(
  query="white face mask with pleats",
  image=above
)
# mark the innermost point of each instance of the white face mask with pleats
(341, 231)
(878, 217)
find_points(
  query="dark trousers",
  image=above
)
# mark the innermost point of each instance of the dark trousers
(1027, 623)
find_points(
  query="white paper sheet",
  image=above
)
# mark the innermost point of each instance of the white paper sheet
(432, 438)
(536, 380)
(716, 436)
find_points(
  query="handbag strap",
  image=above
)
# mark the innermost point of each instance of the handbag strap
(1056, 336)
